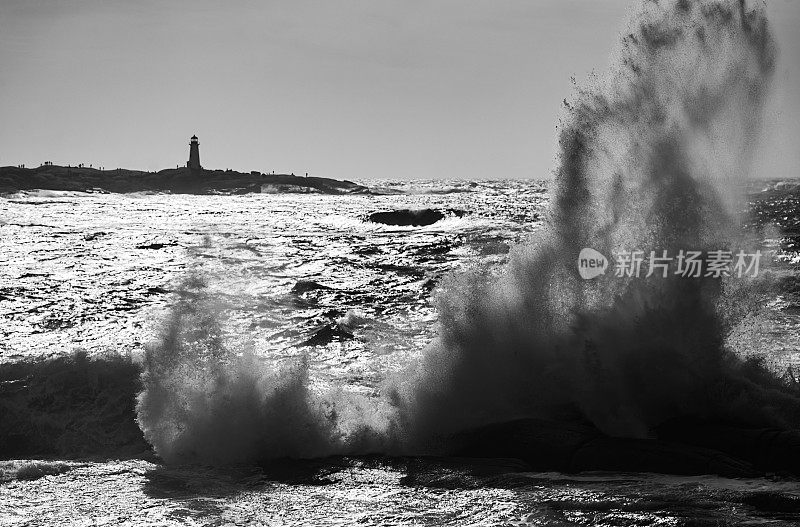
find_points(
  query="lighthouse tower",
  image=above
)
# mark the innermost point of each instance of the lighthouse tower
(194, 154)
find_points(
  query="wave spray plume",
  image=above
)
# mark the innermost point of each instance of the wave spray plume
(650, 158)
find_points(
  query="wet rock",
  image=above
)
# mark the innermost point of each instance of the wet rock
(93, 236)
(304, 286)
(33, 275)
(157, 290)
(574, 447)
(768, 449)
(402, 269)
(327, 334)
(367, 251)
(155, 246)
(412, 218)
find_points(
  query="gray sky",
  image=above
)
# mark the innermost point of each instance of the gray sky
(337, 88)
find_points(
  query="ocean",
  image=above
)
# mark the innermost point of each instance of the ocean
(106, 274)
(617, 346)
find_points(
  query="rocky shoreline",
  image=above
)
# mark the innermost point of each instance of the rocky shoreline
(175, 180)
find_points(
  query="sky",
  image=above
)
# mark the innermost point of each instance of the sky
(349, 89)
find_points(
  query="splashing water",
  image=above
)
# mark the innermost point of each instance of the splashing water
(650, 159)
(204, 401)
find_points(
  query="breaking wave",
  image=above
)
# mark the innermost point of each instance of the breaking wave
(206, 401)
(650, 158)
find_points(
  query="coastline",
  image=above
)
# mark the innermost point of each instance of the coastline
(173, 180)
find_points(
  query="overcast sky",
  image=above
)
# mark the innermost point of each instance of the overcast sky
(337, 88)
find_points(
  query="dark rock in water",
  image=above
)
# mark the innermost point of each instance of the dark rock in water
(326, 335)
(767, 449)
(648, 455)
(93, 236)
(570, 447)
(542, 444)
(32, 275)
(413, 218)
(303, 286)
(367, 251)
(155, 246)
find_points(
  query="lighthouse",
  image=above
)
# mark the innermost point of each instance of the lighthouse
(194, 154)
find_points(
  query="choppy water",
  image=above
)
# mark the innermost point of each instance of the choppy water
(92, 271)
(267, 326)
(98, 272)
(364, 493)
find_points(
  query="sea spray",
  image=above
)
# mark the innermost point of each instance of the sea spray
(652, 157)
(207, 401)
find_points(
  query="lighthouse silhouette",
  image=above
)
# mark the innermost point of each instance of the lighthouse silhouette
(194, 154)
